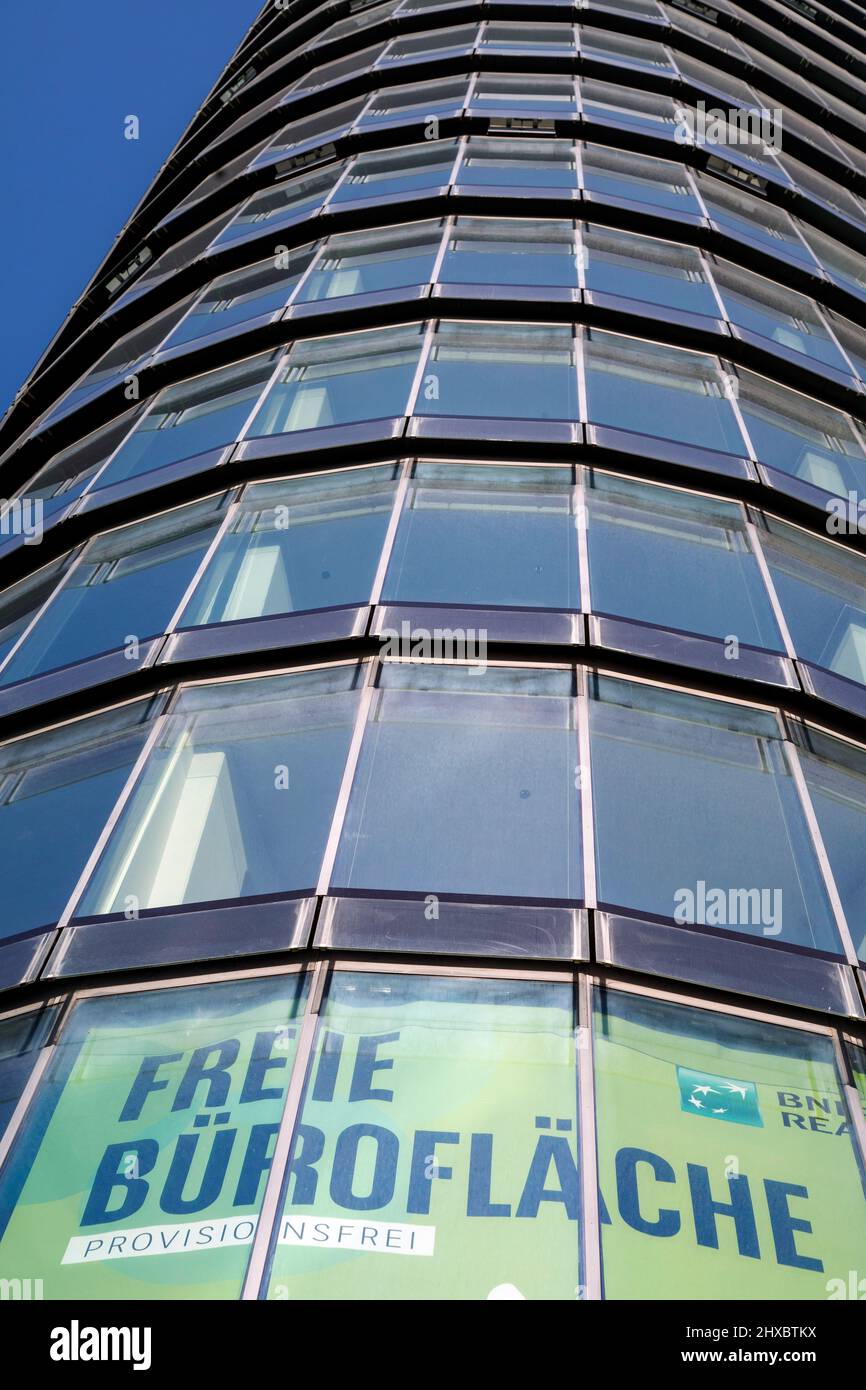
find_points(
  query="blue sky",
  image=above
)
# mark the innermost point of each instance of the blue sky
(73, 72)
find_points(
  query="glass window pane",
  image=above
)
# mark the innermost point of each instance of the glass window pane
(21, 1037)
(843, 265)
(743, 216)
(529, 38)
(434, 1043)
(484, 535)
(118, 1188)
(676, 560)
(638, 178)
(57, 789)
(669, 393)
(801, 436)
(698, 819)
(484, 251)
(519, 371)
(385, 173)
(340, 380)
(646, 269)
(191, 418)
(777, 313)
(124, 591)
(822, 590)
(519, 164)
(607, 101)
(418, 102)
(243, 295)
(368, 262)
(727, 1164)
(495, 752)
(425, 45)
(297, 545)
(519, 93)
(237, 795)
(20, 603)
(836, 776)
(624, 50)
(274, 206)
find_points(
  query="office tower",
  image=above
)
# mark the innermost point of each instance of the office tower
(433, 686)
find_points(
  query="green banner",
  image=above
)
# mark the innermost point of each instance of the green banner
(142, 1165)
(437, 1154)
(726, 1158)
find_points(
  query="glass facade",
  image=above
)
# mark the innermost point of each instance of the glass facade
(433, 679)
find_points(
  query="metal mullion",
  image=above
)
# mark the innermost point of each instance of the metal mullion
(853, 1099)
(581, 525)
(447, 232)
(61, 584)
(577, 338)
(579, 254)
(391, 532)
(795, 223)
(578, 163)
(757, 545)
(269, 1212)
(469, 94)
(317, 256)
(587, 1140)
(825, 323)
(183, 318)
(462, 143)
(352, 757)
(707, 263)
(827, 875)
(423, 359)
(231, 512)
(364, 109)
(114, 815)
(693, 184)
(341, 179)
(584, 767)
(733, 398)
(9, 1135)
(133, 429)
(282, 354)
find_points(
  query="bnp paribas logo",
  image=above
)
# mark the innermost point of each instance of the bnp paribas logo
(719, 1097)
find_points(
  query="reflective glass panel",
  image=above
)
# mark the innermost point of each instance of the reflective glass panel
(648, 270)
(651, 389)
(484, 251)
(822, 589)
(495, 752)
(189, 419)
(124, 591)
(676, 560)
(480, 1075)
(237, 795)
(295, 545)
(118, 1188)
(367, 262)
(340, 380)
(488, 536)
(727, 1165)
(517, 371)
(56, 792)
(698, 819)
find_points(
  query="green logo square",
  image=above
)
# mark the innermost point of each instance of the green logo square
(718, 1097)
